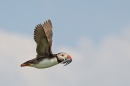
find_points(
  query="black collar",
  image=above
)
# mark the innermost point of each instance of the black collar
(59, 61)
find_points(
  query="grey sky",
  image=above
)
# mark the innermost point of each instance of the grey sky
(95, 33)
(93, 19)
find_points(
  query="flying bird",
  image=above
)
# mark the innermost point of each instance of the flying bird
(45, 58)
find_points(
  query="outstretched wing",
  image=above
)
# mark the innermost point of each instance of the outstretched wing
(43, 37)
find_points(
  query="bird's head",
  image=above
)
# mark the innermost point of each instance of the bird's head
(65, 58)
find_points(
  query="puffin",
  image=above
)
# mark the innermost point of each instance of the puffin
(45, 58)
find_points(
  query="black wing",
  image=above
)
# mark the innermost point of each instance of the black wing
(43, 37)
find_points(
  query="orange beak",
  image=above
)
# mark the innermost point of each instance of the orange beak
(68, 60)
(22, 65)
(69, 56)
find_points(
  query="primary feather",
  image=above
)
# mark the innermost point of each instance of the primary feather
(43, 38)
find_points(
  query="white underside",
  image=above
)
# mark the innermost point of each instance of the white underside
(46, 63)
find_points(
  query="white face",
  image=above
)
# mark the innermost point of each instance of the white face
(62, 56)
(65, 58)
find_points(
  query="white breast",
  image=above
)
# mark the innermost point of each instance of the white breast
(46, 63)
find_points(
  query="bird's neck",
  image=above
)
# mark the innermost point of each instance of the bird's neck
(58, 60)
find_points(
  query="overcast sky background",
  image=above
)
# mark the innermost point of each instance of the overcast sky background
(95, 33)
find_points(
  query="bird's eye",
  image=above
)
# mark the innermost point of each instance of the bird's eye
(62, 55)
